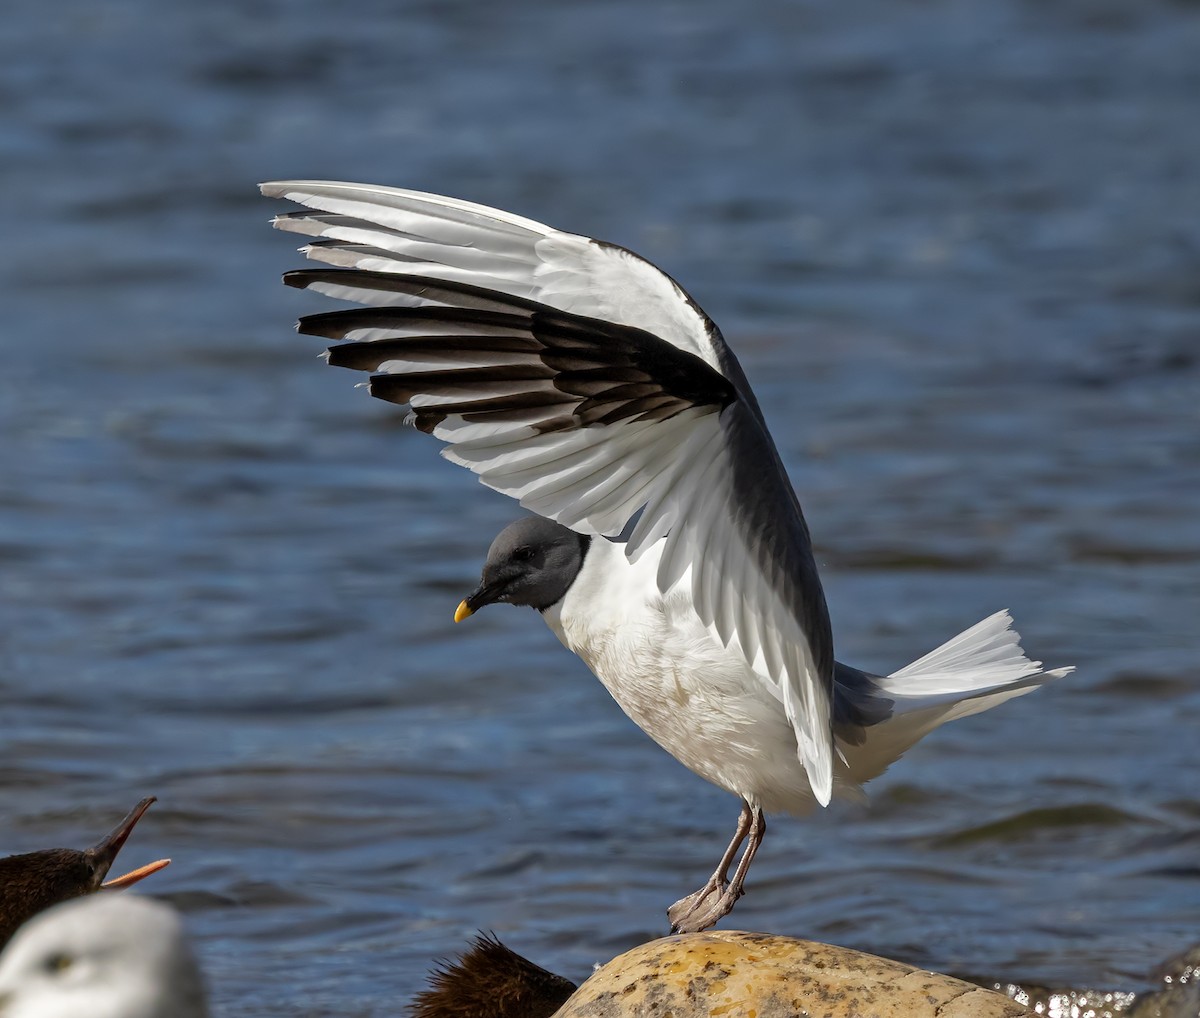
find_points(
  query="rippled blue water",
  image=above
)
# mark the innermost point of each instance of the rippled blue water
(957, 247)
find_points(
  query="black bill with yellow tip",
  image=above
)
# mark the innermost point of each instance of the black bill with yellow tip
(485, 593)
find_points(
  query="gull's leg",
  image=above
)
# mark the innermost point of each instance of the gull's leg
(712, 896)
(758, 828)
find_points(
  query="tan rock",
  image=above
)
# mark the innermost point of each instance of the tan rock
(757, 975)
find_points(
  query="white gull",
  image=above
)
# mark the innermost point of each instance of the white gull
(669, 551)
(104, 956)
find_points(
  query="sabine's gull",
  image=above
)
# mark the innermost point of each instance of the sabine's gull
(669, 550)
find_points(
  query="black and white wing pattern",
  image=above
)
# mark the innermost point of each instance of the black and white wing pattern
(584, 382)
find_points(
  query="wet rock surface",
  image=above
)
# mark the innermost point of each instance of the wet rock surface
(733, 973)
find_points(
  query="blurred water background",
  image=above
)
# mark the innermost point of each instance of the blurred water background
(957, 247)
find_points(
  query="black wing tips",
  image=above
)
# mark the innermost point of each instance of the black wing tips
(492, 358)
(301, 279)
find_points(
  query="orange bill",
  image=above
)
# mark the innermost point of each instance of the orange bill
(133, 876)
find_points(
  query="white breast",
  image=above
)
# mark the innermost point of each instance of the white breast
(699, 700)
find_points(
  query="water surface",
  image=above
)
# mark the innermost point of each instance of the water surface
(956, 247)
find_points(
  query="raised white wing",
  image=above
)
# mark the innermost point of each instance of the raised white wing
(582, 381)
(387, 229)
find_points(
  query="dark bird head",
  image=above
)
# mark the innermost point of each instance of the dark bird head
(492, 981)
(32, 882)
(532, 562)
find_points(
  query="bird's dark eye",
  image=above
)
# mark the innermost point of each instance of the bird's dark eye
(58, 962)
(523, 554)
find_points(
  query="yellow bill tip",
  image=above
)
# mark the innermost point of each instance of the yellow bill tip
(463, 611)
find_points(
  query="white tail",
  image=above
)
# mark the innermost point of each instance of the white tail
(973, 672)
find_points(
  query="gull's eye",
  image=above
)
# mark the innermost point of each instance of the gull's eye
(58, 962)
(523, 554)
